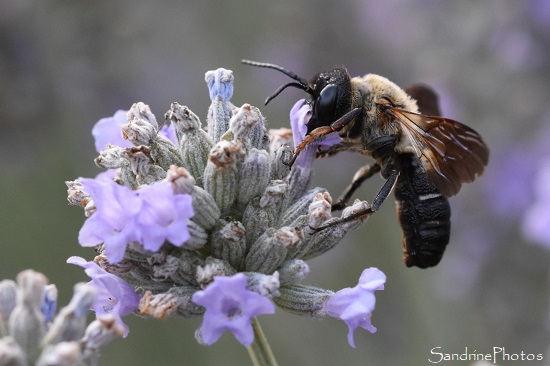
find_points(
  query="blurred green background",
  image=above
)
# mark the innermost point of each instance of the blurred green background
(66, 64)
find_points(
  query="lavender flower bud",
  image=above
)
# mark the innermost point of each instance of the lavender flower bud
(293, 271)
(139, 131)
(61, 354)
(177, 301)
(126, 177)
(321, 242)
(182, 181)
(220, 83)
(11, 354)
(255, 170)
(143, 130)
(319, 210)
(212, 268)
(229, 243)
(26, 321)
(49, 303)
(357, 206)
(8, 300)
(100, 332)
(299, 179)
(183, 119)
(274, 194)
(258, 135)
(278, 168)
(220, 86)
(279, 137)
(220, 175)
(263, 213)
(76, 195)
(111, 158)
(248, 126)
(142, 165)
(303, 300)
(158, 306)
(206, 210)
(265, 285)
(188, 263)
(269, 251)
(301, 206)
(163, 265)
(142, 111)
(195, 144)
(165, 153)
(185, 307)
(70, 323)
(326, 239)
(198, 237)
(241, 123)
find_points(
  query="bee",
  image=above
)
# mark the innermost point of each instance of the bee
(424, 157)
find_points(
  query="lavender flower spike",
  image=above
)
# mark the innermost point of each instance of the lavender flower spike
(114, 296)
(230, 306)
(355, 305)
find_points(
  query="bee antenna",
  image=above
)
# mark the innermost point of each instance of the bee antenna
(288, 73)
(283, 87)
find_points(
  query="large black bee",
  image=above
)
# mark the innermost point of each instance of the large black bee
(426, 157)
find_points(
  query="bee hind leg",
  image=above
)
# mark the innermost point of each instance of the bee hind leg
(376, 203)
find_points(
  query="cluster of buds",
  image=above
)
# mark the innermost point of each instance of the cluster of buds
(32, 334)
(211, 221)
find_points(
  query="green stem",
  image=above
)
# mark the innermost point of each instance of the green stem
(259, 351)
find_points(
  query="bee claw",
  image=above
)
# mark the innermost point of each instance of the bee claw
(338, 206)
(290, 162)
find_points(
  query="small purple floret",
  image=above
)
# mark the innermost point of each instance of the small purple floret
(230, 306)
(355, 305)
(114, 296)
(149, 216)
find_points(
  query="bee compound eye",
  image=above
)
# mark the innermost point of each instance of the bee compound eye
(325, 105)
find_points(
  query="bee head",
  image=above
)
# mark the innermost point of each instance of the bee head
(330, 93)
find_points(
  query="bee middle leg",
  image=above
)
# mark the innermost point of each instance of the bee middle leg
(364, 173)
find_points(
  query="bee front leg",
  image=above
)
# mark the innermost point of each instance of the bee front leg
(364, 173)
(320, 132)
(378, 200)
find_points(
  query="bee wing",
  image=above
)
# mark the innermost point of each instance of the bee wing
(451, 152)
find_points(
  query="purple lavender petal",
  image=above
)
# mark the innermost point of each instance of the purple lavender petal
(164, 216)
(114, 296)
(114, 222)
(355, 305)
(230, 306)
(299, 117)
(108, 130)
(169, 131)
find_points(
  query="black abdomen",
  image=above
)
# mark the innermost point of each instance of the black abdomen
(424, 214)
